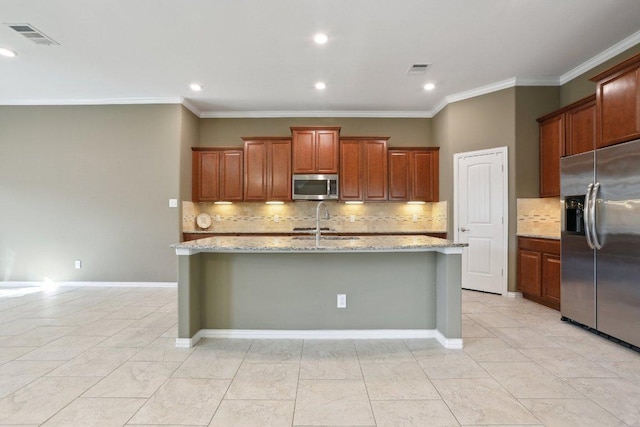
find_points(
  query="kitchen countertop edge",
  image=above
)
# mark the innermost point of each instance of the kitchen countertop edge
(290, 244)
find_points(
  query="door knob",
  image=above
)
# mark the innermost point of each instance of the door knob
(464, 229)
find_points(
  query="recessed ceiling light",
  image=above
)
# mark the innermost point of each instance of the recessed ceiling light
(6, 52)
(429, 86)
(320, 38)
(196, 87)
(321, 86)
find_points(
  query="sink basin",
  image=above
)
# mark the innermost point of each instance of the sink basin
(326, 238)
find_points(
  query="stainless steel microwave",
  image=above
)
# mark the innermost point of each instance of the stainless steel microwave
(314, 187)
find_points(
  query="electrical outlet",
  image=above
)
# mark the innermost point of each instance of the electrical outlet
(173, 203)
(352, 218)
(342, 300)
(276, 218)
(217, 218)
(415, 218)
(78, 264)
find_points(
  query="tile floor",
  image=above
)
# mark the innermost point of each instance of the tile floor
(106, 357)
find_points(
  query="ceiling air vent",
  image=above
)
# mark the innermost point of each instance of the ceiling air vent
(30, 32)
(418, 69)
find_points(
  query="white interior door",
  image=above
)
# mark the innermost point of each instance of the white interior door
(480, 218)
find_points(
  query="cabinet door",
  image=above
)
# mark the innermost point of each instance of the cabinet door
(551, 149)
(351, 170)
(424, 172)
(529, 268)
(375, 170)
(399, 175)
(255, 170)
(231, 176)
(551, 279)
(326, 155)
(304, 151)
(279, 171)
(581, 129)
(206, 173)
(618, 109)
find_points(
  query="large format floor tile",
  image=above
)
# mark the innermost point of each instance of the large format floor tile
(482, 401)
(118, 365)
(183, 401)
(333, 402)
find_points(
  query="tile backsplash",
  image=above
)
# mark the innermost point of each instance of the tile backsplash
(539, 217)
(368, 217)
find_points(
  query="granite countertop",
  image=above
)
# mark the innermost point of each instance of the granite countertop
(307, 243)
(539, 236)
(324, 232)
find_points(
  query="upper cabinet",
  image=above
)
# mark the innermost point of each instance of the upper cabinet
(568, 131)
(413, 174)
(267, 169)
(618, 103)
(363, 169)
(315, 149)
(580, 122)
(217, 174)
(551, 149)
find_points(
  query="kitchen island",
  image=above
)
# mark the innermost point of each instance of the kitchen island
(286, 287)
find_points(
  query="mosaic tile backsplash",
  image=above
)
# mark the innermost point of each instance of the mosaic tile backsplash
(539, 217)
(365, 218)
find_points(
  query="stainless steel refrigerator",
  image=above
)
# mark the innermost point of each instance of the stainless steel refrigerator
(600, 196)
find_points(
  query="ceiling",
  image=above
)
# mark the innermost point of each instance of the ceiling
(257, 57)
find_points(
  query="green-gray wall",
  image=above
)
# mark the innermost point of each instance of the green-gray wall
(402, 132)
(89, 183)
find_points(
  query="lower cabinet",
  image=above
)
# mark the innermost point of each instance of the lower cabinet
(539, 270)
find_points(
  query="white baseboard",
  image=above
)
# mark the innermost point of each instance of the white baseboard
(95, 284)
(514, 294)
(455, 343)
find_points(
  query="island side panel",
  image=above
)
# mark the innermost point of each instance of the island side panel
(189, 295)
(297, 291)
(449, 295)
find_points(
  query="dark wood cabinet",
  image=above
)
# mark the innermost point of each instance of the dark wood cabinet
(217, 174)
(568, 131)
(551, 149)
(539, 270)
(618, 103)
(363, 169)
(315, 149)
(413, 174)
(580, 127)
(267, 169)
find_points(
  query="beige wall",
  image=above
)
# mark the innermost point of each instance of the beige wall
(531, 102)
(486, 121)
(89, 183)
(581, 86)
(189, 137)
(403, 132)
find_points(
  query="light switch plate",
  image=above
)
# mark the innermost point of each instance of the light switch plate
(173, 203)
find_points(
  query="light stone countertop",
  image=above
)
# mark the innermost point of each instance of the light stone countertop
(327, 232)
(539, 236)
(307, 244)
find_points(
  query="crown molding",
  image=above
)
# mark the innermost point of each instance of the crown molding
(482, 90)
(93, 101)
(298, 114)
(614, 50)
(191, 107)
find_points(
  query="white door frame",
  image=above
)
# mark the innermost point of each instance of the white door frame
(505, 191)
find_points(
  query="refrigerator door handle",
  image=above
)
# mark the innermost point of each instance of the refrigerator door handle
(587, 216)
(592, 213)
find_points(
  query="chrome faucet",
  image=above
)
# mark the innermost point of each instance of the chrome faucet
(326, 216)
